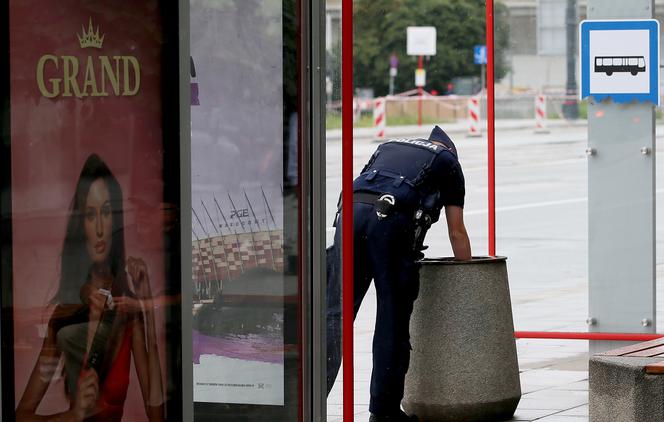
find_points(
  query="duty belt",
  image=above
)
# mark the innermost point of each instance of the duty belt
(366, 197)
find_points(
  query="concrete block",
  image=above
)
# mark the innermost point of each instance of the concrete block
(621, 391)
(463, 366)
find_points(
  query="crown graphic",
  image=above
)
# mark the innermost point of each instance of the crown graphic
(90, 38)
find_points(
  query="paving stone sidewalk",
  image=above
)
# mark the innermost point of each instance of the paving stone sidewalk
(554, 373)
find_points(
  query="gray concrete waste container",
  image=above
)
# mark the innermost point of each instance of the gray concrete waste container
(463, 366)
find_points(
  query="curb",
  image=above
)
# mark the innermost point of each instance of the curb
(454, 128)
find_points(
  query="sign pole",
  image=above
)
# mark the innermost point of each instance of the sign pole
(483, 79)
(421, 41)
(394, 62)
(419, 93)
(621, 165)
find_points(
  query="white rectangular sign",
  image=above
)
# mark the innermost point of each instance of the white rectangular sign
(421, 41)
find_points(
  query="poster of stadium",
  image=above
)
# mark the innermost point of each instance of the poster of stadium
(237, 201)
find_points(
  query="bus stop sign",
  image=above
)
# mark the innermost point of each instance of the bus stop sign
(619, 59)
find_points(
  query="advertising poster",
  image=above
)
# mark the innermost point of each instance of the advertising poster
(238, 167)
(88, 209)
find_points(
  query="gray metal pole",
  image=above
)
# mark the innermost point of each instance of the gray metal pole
(318, 306)
(621, 204)
(483, 78)
(187, 305)
(570, 106)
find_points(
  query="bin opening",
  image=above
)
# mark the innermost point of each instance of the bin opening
(448, 260)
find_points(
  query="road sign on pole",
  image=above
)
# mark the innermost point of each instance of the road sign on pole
(420, 77)
(479, 54)
(480, 57)
(394, 63)
(421, 40)
(621, 166)
(620, 59)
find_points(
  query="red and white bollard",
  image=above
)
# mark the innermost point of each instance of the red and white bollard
(540, 114)
(356, 110)
(380, 118)
(474, 128)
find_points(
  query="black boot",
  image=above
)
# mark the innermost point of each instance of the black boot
(398, 417)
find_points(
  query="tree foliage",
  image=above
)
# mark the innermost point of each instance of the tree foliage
(380, 31)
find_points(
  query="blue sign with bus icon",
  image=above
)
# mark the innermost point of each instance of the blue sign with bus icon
(620, 60)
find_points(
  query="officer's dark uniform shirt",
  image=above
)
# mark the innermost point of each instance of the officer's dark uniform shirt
(435, 169)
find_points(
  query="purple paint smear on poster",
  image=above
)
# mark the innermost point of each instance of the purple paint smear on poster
(259, 348)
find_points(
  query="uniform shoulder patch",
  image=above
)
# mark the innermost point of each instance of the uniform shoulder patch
(418, 142)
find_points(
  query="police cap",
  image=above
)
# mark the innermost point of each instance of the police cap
(439, 135)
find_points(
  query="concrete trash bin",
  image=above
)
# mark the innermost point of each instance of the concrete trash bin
(463, 366)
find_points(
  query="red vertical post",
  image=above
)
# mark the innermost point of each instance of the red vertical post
(347, 209)
(491, 128)
(419, 93)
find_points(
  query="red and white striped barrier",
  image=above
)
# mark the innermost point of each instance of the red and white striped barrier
(356, 110)
(380, 118)
(540, 114)
(474, 128)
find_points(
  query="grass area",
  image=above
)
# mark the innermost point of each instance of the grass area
(333, 121)
(583, 109)
(555, 114)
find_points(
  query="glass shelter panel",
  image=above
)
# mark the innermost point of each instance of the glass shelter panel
(90, 219)
(387, 105)
(245, 207)
(542, 184)
(333, 173)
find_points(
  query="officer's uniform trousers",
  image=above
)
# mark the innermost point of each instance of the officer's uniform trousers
(383, 250)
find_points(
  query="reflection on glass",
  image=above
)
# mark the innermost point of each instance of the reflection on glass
(100, 320)
(244, 209)
(90, 277)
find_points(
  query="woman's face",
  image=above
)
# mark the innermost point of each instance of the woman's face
(98, 222)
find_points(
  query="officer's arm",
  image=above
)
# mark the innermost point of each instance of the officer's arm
(457, 232)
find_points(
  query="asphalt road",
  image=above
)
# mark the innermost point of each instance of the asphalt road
(541, 218)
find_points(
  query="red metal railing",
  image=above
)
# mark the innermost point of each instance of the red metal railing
(491, 129)
(347, 209)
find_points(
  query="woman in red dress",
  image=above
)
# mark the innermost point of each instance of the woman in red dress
(102, 314)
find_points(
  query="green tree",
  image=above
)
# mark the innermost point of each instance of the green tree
(380, 31)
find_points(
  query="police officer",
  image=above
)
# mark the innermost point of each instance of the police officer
(396, 198)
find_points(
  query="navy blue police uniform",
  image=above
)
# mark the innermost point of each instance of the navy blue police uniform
(398, 195)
